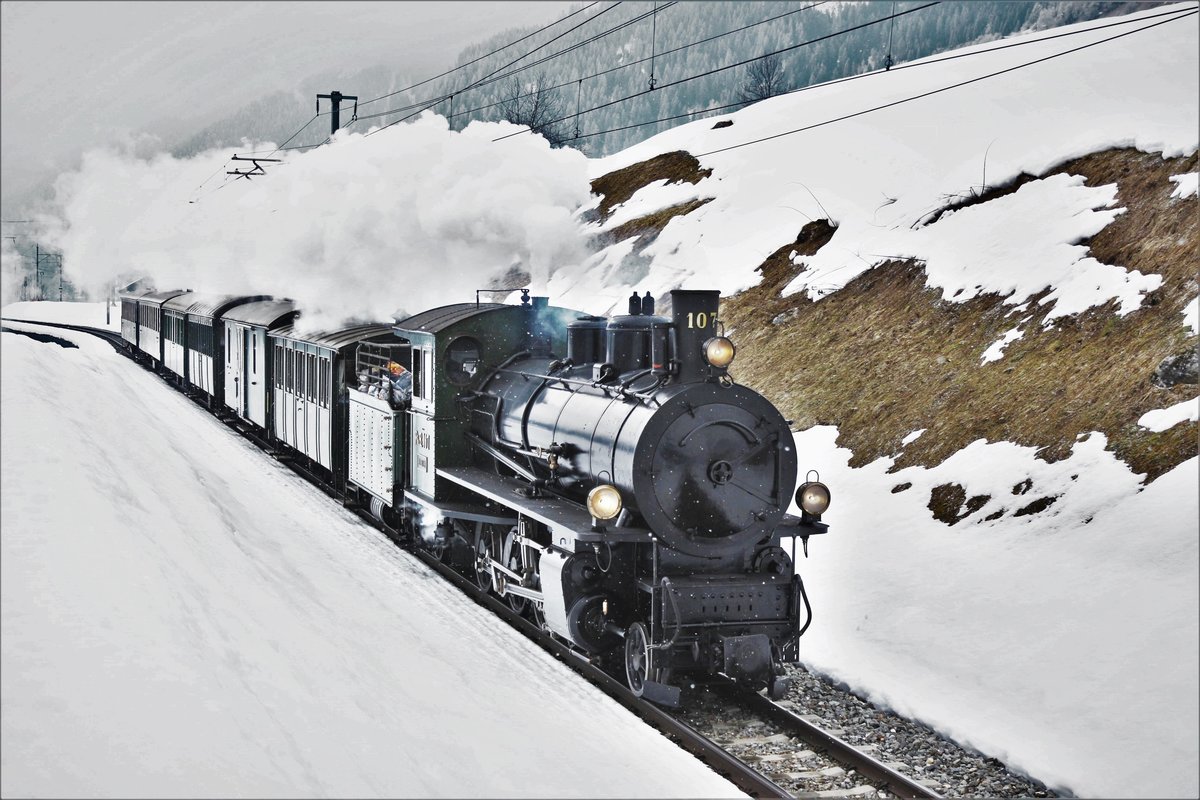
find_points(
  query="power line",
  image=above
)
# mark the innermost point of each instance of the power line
(490, 80)
(595, 38)
(493, 77)
(629, 64)
(297, 133)
(544, 28)
(707, 73)
(506, 66)
(923, 63)
(481, 58)
(947, 88)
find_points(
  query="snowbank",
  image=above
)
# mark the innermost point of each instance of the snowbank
(94, 315)
(1064, 643)
(182, 616)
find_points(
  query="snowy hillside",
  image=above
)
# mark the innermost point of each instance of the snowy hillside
(184, 617)
(961, 298)
(878, 175)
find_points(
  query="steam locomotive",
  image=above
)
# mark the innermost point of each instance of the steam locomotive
(606, 477)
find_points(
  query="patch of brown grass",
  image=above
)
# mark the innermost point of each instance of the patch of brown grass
(886, 355)
(653, 224)
(618, 186)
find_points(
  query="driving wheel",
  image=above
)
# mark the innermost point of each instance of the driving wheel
(637, 658)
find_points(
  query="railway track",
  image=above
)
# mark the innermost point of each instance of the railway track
(825, 760)
(750, 780)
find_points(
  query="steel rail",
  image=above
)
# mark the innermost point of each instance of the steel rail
(112, 337)
(873, 770)
(688, 738)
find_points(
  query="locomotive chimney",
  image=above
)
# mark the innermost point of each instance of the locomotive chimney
(694, 316)
(648, 305)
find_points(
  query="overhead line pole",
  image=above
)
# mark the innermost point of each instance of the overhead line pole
(335, 98)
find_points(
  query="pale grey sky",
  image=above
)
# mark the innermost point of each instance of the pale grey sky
(79, 74)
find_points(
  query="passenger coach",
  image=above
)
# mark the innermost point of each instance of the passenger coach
(129, 315)
(311, 372)
(247, 367)
(150, 323)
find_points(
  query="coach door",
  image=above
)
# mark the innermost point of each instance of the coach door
(255, 369)
(421, 463)
(234, 358)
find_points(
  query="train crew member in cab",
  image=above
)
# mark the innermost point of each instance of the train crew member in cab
(401, 383)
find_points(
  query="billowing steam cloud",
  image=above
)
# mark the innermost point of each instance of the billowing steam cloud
(412, 217)
(11, 264)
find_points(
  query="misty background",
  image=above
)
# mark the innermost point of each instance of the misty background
(119, 120)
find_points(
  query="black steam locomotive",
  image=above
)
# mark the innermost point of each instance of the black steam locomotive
(607, 477)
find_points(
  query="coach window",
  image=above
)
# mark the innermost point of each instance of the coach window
(324, 382)
(418, 376)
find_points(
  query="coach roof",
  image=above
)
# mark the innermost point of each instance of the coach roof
(333, 339)
(263, 312)
(158, 298)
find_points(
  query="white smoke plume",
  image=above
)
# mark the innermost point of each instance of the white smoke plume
(413, 217)
(12, 271)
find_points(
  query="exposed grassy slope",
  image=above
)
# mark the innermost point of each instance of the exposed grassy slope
(618, 186)
(886, 355)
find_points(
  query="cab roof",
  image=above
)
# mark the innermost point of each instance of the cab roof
(438, 319)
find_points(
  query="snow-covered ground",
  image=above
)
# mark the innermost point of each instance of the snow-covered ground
(94, 315)
(182, 616)
(1065, 643)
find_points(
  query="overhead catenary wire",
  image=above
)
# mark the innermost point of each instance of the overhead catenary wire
(480, 58)
(653, 37)
(488, 80)
(1173, 14)
(741, 63)
(429, 103)
(888, 61)
(495, 78)
(297, 133)
(958, 85)
(506, 66)
(875, 73)
(629, 64)
(252, 153)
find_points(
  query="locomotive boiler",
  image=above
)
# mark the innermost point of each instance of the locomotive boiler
(686, 477)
